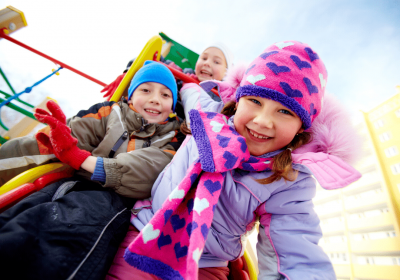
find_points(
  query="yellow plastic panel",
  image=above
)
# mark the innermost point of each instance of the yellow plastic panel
(31, 175)
(152, 46)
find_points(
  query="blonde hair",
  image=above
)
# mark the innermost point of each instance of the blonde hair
(282, 166)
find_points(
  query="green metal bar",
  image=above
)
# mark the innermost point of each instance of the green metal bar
(9, 85)
(16, 108)
(6, 94)
(21, 101)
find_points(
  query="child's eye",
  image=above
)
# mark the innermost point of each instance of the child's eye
(166, 95)
(216, 62)
(285, 112)
(145, 90)
(255, 101)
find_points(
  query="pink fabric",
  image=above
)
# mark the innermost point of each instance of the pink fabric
(330, 171)
(121, 270)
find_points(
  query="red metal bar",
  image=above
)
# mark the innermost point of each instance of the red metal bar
(185, 78)
(3, 35)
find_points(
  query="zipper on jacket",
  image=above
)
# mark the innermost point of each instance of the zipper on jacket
(94, 246)
(118, 144)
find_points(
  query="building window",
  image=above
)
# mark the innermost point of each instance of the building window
(395, 168)
(391, 151)
(397, 112)
(379, 123)
(385, 136)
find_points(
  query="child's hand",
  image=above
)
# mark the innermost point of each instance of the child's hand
(110, 89)
(60, 142)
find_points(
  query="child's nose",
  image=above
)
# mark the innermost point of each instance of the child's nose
(264, 120)
(155, 98)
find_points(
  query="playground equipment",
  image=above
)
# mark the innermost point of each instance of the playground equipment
(36, 178)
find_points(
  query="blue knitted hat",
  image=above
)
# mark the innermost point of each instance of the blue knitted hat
(154, 72)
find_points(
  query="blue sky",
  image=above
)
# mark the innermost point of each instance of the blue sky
(359, 41)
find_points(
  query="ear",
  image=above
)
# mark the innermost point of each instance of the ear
(300, 130)
(225, 91)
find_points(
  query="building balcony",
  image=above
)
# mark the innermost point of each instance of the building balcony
(333, 227)
(334, 247)
(386, 245)
(383, 220)
(384, 272)
(363, 202)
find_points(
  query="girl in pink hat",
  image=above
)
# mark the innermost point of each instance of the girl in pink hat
(254, 158)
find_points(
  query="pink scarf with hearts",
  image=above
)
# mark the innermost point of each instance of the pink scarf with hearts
(171, 244)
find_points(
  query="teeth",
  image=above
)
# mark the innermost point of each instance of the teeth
(151, 111)
(258, 136)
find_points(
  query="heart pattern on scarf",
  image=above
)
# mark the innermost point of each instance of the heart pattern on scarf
(200, 205)
(176, 194)
(216, 126)
(149, 233)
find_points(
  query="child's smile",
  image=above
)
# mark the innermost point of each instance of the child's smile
(211, 65)
(266, 125)
(153, 101)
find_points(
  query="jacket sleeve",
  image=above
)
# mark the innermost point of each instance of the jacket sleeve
(89, 126)
(132, 174)
(21, 154)
(289, 234)
(194, 97)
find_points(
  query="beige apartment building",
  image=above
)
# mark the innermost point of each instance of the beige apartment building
(360, 223)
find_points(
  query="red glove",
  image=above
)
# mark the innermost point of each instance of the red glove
(110, 89)
(60, 142)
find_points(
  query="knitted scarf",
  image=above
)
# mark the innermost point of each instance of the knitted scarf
(171, 244)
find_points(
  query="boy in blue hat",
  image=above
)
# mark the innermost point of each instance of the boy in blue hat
(118, 149)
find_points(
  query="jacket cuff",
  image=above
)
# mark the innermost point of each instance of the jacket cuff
(99, 173)
(113, 174)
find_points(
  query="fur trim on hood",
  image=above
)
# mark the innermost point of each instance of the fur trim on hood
(333, 133)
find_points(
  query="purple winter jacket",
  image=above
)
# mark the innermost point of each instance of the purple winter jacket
(289, 232)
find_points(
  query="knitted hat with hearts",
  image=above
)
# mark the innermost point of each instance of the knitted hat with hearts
(290, 73)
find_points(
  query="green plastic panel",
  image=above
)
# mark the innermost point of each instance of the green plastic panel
(180, 55)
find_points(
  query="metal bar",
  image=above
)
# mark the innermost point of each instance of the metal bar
(3, 35)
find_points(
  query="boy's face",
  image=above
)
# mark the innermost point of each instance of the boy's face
(211, 65)
(153, 101)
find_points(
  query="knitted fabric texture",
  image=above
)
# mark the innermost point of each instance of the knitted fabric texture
(290, 73)
(171, 244)
(154, 72)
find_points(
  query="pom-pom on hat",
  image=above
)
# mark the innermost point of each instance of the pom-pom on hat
(154, 72)
(290, 73)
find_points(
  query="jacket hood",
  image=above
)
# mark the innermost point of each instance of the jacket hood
(333, 134)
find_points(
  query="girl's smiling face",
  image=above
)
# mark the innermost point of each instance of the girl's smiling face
(266, 125)
(211, 65)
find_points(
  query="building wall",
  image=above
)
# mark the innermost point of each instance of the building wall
(360, 223)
